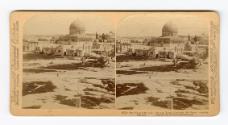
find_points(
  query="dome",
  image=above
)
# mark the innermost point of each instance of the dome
(76, 27)
(169, 29)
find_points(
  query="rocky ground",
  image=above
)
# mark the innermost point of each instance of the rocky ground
(160, 85)
(64, 83)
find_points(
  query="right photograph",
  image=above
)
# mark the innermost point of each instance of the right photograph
(162, 62)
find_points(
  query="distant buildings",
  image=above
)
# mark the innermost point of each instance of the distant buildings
(29, 45)
(76, 43)
(168, 45)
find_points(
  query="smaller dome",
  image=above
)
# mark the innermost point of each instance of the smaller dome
(76, 27)
(169, 29)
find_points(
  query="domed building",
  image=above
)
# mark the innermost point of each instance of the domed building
(80, 43)
(169, 29)
(76, 27)
(76, 34)
(169, 43)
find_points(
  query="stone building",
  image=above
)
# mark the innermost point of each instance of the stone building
(29, 45)
(76, 34)
(169, 44)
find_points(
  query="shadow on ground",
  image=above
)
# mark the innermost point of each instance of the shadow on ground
(37, 87)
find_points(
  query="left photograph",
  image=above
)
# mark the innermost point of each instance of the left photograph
(68, 62)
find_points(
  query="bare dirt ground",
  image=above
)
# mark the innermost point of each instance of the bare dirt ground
(154, 84)
(52, 83)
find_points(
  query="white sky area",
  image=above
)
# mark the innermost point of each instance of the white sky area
(151, 24)
(54, 24)
(133, 25)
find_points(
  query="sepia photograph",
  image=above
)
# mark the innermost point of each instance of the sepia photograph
(162, 62)
(68, 62)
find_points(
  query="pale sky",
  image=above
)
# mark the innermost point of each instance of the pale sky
(59, 24)
(149, 24)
